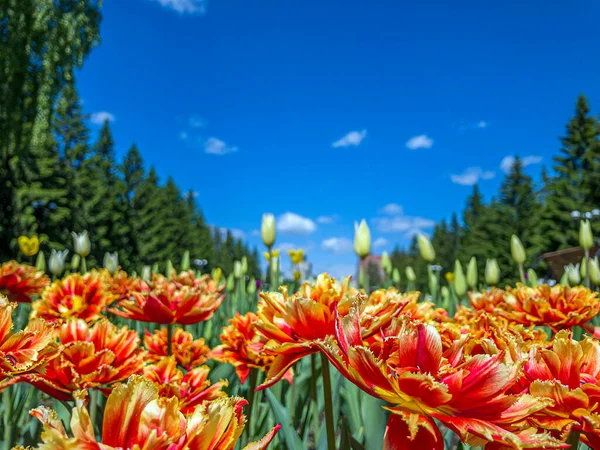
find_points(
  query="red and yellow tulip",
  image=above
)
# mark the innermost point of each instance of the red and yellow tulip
(188, 352)
(20, 282)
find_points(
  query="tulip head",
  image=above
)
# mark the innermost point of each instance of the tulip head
(244, 265)
(29, 246)
(586, 238)
(532, 277)
(410, 273)
(425, 247)
(460, 282)
(595, 271)
(297, 256)
(362, 239)
(517, 250)
(81, 243)
(216, 273)
(237, 269)
(147, 273)
(185, 260)
(396, 276)
(472, 273)
(251, 286)
(230, 283)
(267, 230)
(111, 262)
(573, 274)
(56, 263)
(386, 263)
(492, 272)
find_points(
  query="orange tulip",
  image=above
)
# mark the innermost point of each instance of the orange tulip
(122, 286)
(188, 352)
(171, 302)
(25, 351)
(293, 325)
(190, 389)
(94, 356)
(559, 307)
(20, 282)
(468, 394)
(136, 418)
(75, 296)
(242, 347)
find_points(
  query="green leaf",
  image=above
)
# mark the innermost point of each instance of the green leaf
(282, 416)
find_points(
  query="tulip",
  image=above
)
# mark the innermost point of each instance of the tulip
(20, 282)
(147, 273)
(433, 284)
(595, 271)
(267, 230)
(472, 273)
(564, 279)
(586, 238)
(425, 247)
(75, 261)
(111, 262)
(29, 246)
(532, 277)
(516, 249)
(244, 265)
(40, 262)
(386, 263)
(237, 269)
(492, 272)
(252, 286)
(362, 239)
(583, 267)
(445, 292)
(460, 282)
(216, 274)
(81, 242)
(56, 264)
(230, 283)
(271, 254)
(410, 273)
(297, 275)
(185, 260)
(168, 268)
(297, 256)
(573, 275)
(396, 276)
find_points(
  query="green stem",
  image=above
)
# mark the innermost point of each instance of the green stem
(313, 394)
(588, 284)
(83, 265)
(573, 440)
(93, 407)
(169, 339)
(7, 416)
(328, 402)
(251, 399)
(522, 273)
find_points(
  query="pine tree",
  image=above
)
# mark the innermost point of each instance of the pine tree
(132, 173)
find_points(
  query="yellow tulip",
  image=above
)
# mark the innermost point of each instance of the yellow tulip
(273, 254)
(297, 256)
(29, 246)
(297, 275)
(450, 277)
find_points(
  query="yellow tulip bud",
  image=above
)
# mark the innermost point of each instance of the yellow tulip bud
(410, 273)
(449, 277)
(595, 271)
(29, 246)
(586, 238)
(217, 273)
(297, 275)
(472, 273)
(362, 239)
(267, 229)
(492, 272)
(297, 256)
(396, 275)
(425, 247)
(517, 250)
(460, 282)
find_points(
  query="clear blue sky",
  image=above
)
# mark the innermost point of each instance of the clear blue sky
(331, 110)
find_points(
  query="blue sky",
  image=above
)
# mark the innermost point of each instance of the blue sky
(327, 112)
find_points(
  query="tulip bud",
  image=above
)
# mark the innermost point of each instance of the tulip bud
(586, 238)
(595, 271)
(386, 263)
(244, 265)
(251, 286)
(460, 283)
(169, 269)
(154, 268)
(267, 230)
(146, 273)
(81, 243)
(425, 247)
(564, 279)
(583, 267)
(573, 274)
(410, 273)
(433, 284)
(40, 262)
(492, 272)
(297, 275)
(216, 274)
(230, 283)
(362, 239)
(185, 260)
(75, 261)
(445, 292)
(111, 262)
(517, 250)
(361, 277)
(472, 273)
(396, 276)
(532, 277)
(56, 263)
(237, 269)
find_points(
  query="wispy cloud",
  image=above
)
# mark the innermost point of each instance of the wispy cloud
(472, 175)
(184, 136)
(215, 146)
(482, 124)
(380, 242)
(100, 117)
(293, 223)
(185, 6)
(508, 161)
(196, 122)
(235, 232)
(417, 142)
(325, 220)
(354, 138)
(407, 225)
(255, 232)
(470, 126)
(338, 245)
(391, 209)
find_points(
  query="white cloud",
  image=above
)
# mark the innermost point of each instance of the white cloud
(508, 161)
(472, 175)
(327, 219)
(417, 142)
(100, 117)
(402, 224)
(184, 136)
(482, 124)
(287, 246)
(354, 138)
(255, 232)
(292, 223)
(196, 122)
(216, 146)
(338, 245)
(185, 6)
(339, 271)
(391, 209)
(380, 242)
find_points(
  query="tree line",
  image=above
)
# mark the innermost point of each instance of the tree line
(540, 214)
(54, 180)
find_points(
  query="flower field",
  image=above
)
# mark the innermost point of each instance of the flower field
(102, 359)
